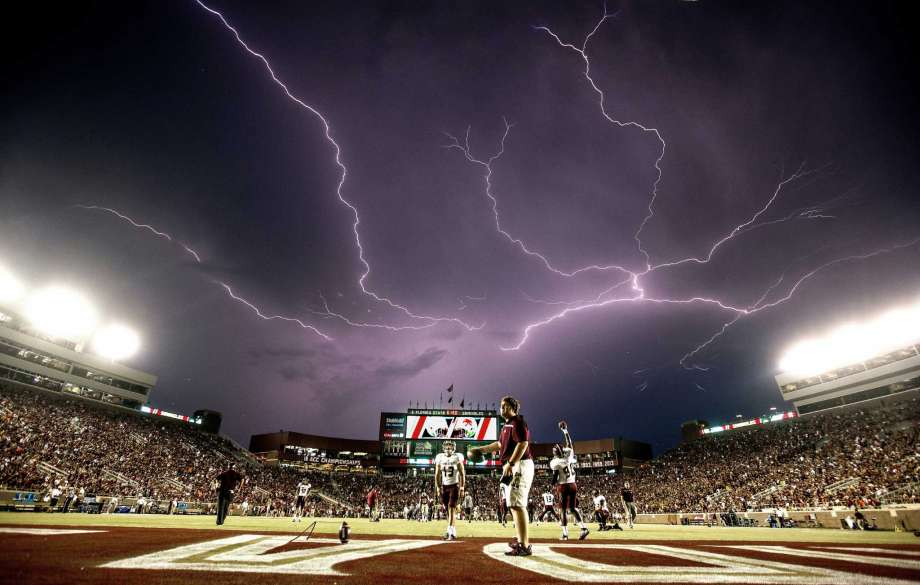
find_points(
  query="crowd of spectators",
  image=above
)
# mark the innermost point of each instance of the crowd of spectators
(66, 445)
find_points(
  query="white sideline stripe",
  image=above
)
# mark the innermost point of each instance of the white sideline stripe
(834, 556)
(550, 561)
(45, 531)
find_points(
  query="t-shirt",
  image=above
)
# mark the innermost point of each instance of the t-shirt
(548, 499)
(515, 431)
(303, 489)
(468, 501)
(600, 503)
(450, 467)
(229, 479)
(627, 496)
(564, 468)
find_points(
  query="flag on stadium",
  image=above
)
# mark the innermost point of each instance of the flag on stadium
(450, 389)
(462, 401)
(450, 399)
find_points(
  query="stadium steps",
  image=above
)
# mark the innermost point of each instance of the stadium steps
(892, 495)
(50, 469)
(332, 500)
(841, 485)
(119, 477)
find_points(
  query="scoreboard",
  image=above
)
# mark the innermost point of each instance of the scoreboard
(414, 438)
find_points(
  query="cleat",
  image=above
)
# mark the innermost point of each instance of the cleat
(584, 534)
(452, 538)
(563, 537)
(520, 551)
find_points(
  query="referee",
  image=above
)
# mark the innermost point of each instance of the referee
(228, 481)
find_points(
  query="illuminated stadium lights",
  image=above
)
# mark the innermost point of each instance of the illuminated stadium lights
(61, 312)
(853, 343)
(748, 423)
(11, 289)
(116, 342)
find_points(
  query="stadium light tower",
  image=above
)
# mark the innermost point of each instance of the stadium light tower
(61, 312)
(116, 342)
(11, 290)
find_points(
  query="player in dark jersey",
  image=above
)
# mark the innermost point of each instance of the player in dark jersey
(373, 503)
(516, 457)
(629, 505)
(228, 481)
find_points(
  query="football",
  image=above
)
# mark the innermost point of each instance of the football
(474, 456)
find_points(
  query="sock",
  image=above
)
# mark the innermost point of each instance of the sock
(565, 531)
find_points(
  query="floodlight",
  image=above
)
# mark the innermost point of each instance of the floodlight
(116, 342)
(11, 289)
(805, 358)
(61, 312)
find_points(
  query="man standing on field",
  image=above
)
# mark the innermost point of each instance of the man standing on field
(516, 458)
(449, 481)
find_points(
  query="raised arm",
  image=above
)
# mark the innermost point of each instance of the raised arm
(566, 438)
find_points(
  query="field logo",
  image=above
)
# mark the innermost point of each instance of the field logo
(550, 561)
(250, 553)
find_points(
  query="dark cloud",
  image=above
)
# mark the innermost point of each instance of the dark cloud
(395, 369)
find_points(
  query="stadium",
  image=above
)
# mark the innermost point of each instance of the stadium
(476, 293)
(87, 462)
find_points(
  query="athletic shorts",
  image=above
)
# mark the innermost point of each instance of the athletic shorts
(518, 492)
(568, 493)
(450, 494)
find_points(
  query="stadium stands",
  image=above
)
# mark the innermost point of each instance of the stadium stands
(859, 456)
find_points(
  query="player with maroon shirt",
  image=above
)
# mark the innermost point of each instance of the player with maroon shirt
(373, 499)
(514, 451)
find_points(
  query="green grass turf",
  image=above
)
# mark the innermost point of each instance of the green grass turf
(464, 530)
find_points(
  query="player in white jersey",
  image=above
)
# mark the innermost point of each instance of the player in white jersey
(548, 506)
(563, 466)
(450, 481)
(601, 511)
(303, 490)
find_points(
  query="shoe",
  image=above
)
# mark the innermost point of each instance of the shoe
(564, 537)
(452, 537)
(446, 537)
(520, 551)
(584, 534)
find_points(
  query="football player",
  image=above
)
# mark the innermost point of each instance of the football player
(563, 466)
(449, 481)
(601, 512)
(629, 505)
(303, 490)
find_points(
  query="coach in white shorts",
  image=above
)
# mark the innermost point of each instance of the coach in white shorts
(513, 448)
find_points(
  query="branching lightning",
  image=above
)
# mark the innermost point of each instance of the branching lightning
(634, 278)
(226, 287)
(487, 166)
(343, 170)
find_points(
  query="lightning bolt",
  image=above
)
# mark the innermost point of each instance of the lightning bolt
(602, 101)
(637, 291)
(343, 174)
(191, 252)
(464, 148)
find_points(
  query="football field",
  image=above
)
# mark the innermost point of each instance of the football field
(128, 549)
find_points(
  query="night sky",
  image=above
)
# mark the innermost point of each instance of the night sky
(156, 111)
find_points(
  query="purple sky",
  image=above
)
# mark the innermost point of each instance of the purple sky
(155, 110)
